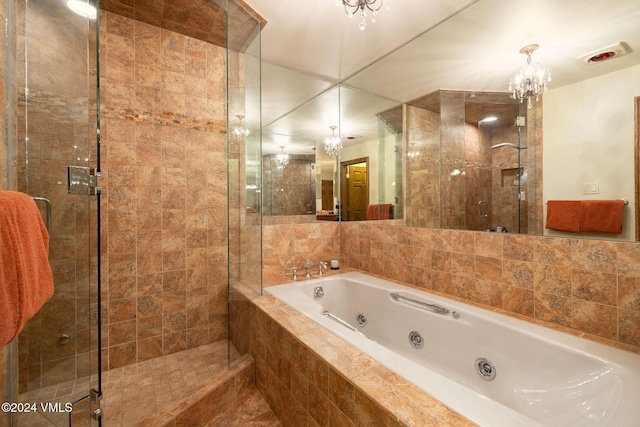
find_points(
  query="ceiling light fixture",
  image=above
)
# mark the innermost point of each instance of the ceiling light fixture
(239, 131)
(82, 8)
(489, 119)
(351, 7)
(282, 159)
(332, 144)
(413, 154)
(530, 81)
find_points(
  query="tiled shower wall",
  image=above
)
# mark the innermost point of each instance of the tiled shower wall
(291, 190)
(165, 186)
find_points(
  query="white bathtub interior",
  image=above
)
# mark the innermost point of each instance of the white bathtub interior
(542, 377)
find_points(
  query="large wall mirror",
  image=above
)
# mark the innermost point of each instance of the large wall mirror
(460, 171)
(336, 157)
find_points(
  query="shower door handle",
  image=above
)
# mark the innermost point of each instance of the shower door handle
(47, 203)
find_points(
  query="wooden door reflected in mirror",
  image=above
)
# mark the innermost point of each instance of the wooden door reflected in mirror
(355, 189)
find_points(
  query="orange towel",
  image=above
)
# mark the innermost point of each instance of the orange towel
(604, 216)
(564, 215)
(384, 211)
(26, 282)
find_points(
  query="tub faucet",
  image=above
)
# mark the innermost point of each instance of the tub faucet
(295, 273)
(307, 269)
(321, 267)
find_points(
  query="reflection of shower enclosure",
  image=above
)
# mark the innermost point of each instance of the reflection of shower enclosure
(467, 172)
(290, 190)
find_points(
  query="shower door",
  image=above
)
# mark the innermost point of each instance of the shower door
(53, 138)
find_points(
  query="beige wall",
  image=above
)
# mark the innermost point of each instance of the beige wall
(585, 123)
(165, 204)
(367, 149)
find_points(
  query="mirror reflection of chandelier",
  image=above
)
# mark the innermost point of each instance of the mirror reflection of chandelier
(530, 81)
(332, 144)
(351, 7)
(239, 132)
(282, 159)
(412, 154)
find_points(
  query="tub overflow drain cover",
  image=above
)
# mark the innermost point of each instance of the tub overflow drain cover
(361, 319)
(486, 369)
(416, 339)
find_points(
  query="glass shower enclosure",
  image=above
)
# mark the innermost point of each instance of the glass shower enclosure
(52, 150)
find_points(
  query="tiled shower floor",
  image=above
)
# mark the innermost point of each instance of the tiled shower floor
(136, 392)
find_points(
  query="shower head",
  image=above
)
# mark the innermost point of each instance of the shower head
(508, 144)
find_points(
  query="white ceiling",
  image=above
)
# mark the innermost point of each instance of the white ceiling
(419, 46)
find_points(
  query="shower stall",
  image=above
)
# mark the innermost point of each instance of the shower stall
(116, 125)
(53, 155)
(472, 162)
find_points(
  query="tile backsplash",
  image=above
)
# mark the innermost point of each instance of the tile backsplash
(580, 286)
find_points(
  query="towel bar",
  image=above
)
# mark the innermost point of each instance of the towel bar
(47, 203)
(626, 202)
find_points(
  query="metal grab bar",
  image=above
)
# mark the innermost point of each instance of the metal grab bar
(434, 307)
(342, 322)
(47, 203)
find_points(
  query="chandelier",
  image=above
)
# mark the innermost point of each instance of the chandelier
(239, 132)
(282, 159)
(413, 154)
(351, 7)
(332, 144)
(530, 81)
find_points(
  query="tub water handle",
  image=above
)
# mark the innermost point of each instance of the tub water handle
(307, 269)
(433, 307)
(321, 267)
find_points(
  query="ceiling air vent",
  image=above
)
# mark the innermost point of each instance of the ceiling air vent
(606, 53)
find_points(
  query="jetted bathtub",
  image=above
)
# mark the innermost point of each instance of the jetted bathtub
(493, 369)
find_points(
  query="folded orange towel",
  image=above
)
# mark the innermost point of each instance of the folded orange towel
(26, 282)
(604, 216)
(564, 215)
(384, 211)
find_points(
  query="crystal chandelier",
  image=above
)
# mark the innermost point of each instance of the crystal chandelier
(351, 7)
(332, 144)
(530, 81)
(282, 159)
(239, 132)
(413, 154)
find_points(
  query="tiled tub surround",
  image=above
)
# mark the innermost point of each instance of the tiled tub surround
(588, 288)
(310, 377)
(290, 245)
(543, 376)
